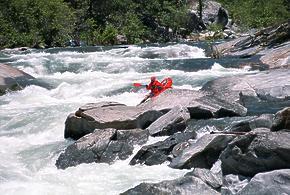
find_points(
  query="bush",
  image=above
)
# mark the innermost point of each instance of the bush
(257, 13)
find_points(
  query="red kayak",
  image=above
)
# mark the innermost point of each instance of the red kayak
(166, 84)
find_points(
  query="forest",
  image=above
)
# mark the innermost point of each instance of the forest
(42, 23)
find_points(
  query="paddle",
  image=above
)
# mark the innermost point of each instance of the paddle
(139, 85)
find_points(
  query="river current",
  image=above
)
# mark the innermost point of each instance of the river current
(32, 120)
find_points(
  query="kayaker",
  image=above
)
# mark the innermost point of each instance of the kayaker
(155, 86)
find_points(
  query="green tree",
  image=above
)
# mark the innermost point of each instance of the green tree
(32, 22)
(257, 13)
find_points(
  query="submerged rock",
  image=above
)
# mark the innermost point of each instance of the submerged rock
(12, 78)
(103, 145)
(274, 182)
(202, 154)
(256, 152)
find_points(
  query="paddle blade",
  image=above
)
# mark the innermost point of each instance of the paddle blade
(137, 84)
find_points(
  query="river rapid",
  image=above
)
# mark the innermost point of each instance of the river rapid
(32, 120)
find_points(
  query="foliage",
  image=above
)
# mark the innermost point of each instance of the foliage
(33, 22)
(257, 13)
(54, 22)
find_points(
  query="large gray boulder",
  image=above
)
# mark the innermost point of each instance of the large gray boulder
(170, 123)
(119, 116)
(212, 12)
(273, 182)
(255, 152)
(12, 78)
(277, 57)
(180, 186)
(107, 115)
(262, 121)
(103, 145)
(203, 153)
(208, 177)
(263, 92)
(270, 46)
(161, 151)
(200, 104)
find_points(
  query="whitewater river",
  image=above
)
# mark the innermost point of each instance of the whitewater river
(32, 120)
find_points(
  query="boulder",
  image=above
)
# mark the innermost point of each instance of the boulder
(281, 120)
(273, 182)
(232, 184)
(200, 104)
(103, 145)
(277, 57)
(212, 12)
(12, 78)
(180, 186)
(270, 46)
(263, 121)
(119, 116)
(208, 177)
(203, 153)
(107, 115)
(263, 92)
(255, 152)
(215, 124)
(170, 123)
(160, 152)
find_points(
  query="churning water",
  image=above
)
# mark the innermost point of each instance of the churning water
(32, 120)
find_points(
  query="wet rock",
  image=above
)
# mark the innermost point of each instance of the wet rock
(107, 115)
(277, 57)
(271, 45)
(232, 184)
(118, 116)
(274, 182)
(256, 152)
(281, 120)
(180, 186)
(264, 92)
(12, 78)
(203, 153)
(170, 123)
(208, 177)
(160, 152)
(215, 124)
(263, 121)
(103, 145)
(200, 104)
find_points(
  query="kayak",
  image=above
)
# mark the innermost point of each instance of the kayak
(166, 84)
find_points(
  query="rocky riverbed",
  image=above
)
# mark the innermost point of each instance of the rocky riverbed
(247, 154)
(231, 136)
